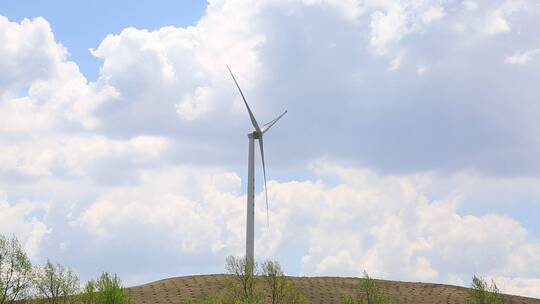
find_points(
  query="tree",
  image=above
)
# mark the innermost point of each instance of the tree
(483, 293)
(56, 284)
(275, 281)
(105, 290)
(373, 294)
(88, 295)
(15, 271)
(243, 285)
(280, 289)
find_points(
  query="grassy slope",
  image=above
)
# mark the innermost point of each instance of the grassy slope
(318, 290)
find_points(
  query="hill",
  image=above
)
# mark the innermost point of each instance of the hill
(318, 290)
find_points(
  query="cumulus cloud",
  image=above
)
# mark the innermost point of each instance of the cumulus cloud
(21, 219)
(391, 21)
(192, 211)
(375, 217)
(191, 107)
(174, 79)
(19, 60)
(72, 155)
(119, 160)
(527, 287)
(41, 88)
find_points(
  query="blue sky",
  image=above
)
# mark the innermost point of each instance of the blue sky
(81, 25)
(412, 128)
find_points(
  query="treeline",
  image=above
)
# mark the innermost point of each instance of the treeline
(22, 282)
(246, 283)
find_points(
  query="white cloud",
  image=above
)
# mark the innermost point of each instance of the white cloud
(41, 89)
(17, 219)
(521, 58)
(192, 106)
(433, 14)
(496, 23)
(375, 217)
(153, 70)
(527, 287)
(351, 9)
(391, 21)
(470, 5)
(25, 46)
(192, 210)
(164, 104)
(74, 154)
(421, 70)
(388, 27)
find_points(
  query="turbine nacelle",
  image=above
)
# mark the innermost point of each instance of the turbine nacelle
(255, 135)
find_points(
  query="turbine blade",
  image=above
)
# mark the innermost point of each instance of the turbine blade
(269, 124)
(251, 116)
(264, 175)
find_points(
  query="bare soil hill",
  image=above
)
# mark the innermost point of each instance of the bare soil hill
(318, 290)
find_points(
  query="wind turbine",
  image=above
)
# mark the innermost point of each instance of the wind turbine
(256, 134)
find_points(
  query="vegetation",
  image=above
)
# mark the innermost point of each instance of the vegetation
(15, 271)
(89, 293)
(248, 283)
(20, 282)
(372, 293)
(242, 286)
(484, 293)
(106, 290)
(55, 284)
(279, 288)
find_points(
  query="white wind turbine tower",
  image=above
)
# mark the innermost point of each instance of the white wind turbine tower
(256, 134)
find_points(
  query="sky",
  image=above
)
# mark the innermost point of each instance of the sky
(410, 149)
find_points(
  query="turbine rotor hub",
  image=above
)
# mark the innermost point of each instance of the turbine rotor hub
(255, 135)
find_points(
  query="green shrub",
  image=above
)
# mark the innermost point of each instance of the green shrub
(483, 293)
(278, 288)
(88, 295)
(105, 290)
(348, 300)
(372, 293)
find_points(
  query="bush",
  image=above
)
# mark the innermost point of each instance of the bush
(55, 284)
(348, 300)
(372, 293)
(483, 293)
(278, 287)
(241, 286)
(249, 284)
(88, 295)
(15, 271)
(106, 290)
